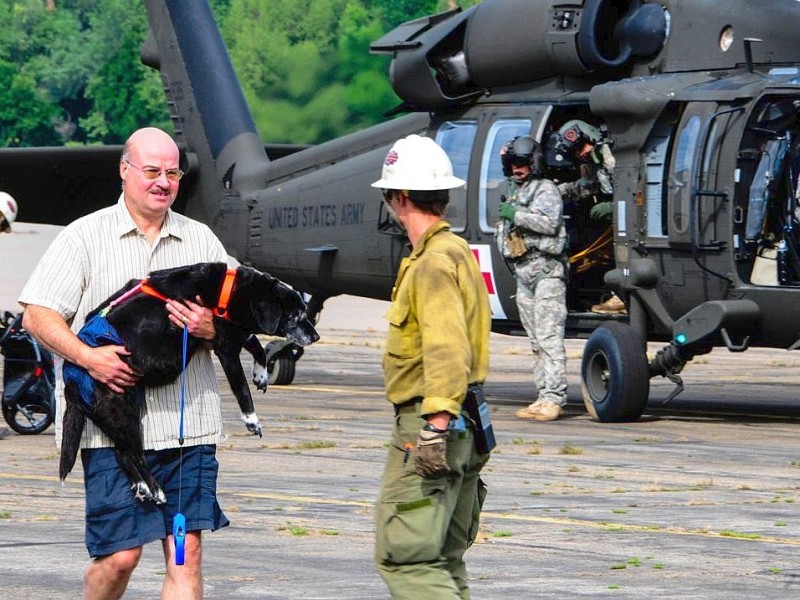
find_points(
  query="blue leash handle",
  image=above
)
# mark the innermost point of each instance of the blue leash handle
(179, 521)
(179, 533)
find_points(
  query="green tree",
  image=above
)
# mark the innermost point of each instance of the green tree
(26, 119)
(307, 73)
(79, 59)
(395, 12)
(122, 94)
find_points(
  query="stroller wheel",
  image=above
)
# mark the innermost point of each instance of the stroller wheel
(27, 419)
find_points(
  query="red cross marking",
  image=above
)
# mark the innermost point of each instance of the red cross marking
(487, 276)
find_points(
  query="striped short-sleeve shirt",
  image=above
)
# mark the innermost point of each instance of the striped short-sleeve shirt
(90, 260)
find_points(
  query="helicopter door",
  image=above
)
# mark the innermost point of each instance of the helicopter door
(696, 193)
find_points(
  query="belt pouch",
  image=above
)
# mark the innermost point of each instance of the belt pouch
(478, 410)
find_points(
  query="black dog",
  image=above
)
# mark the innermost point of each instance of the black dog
(256, 303)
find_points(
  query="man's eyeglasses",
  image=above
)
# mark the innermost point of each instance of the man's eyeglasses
(155, 173)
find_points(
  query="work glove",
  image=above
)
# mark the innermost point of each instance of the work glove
(430, 454)
(506, 211)
(602, 211)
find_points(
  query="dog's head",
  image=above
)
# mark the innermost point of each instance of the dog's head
(281, 311)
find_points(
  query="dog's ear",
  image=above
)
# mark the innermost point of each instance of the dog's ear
(267, 313)
(267, 308)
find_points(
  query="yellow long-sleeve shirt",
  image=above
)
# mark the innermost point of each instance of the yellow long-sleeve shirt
(439, 324)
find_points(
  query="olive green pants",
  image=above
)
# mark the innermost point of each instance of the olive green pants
(424, 526)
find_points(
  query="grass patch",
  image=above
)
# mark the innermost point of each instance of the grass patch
(570, 450)
(739, 534)
(502, 533)
(523, 442)
(316, 444)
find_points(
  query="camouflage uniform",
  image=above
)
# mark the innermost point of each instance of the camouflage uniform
(541, 280)
(597, 177)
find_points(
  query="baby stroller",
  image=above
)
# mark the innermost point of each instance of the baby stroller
(28, 379)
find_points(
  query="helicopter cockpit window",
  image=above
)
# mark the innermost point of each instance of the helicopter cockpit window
(457, 138)
(493, 182)
(681, 180)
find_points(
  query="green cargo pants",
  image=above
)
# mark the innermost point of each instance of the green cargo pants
(424, 526)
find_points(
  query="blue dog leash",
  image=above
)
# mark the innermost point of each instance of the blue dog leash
(179, 521)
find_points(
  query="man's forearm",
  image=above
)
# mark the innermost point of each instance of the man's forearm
(50, 329)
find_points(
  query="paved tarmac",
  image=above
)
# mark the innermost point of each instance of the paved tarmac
(696, 500)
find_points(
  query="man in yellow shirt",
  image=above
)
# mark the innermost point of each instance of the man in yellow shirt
(437, 347)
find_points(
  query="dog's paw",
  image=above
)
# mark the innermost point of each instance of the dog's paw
(260, 376)
(143, 493)
(252, 424)
(160, 497)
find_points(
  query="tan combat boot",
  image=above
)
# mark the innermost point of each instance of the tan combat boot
(612, 306)
(541, 410)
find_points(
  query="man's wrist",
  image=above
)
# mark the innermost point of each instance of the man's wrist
(432, 428)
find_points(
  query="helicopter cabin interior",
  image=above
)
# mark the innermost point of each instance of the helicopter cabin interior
(590, 243)
(767, 207)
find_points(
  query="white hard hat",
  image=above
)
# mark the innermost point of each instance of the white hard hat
(8, 208)
(417, 163)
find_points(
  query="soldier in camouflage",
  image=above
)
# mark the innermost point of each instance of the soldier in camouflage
(579, 144)
(532, 237)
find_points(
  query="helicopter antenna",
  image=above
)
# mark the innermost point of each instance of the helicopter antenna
(748, 51)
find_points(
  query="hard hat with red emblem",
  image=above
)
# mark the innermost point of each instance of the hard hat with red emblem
(417, 163)
(9, 209)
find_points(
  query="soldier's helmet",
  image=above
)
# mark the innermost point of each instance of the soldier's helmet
(522, 150)
(564, 144)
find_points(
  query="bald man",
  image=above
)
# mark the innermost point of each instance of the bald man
(90, 260)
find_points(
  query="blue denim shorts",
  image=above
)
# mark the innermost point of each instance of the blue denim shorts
(115, 520)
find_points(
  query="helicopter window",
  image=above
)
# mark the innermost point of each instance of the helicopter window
(681, 184)
(457, 138)
(493, 182)
(656, 157)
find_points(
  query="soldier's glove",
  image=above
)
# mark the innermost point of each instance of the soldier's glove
(602, 212)
(430, 454)
(506, 211)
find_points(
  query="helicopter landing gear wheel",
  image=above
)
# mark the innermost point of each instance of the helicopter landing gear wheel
(282, 371)
(615, 378)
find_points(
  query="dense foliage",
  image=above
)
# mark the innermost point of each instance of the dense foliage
(70, 70)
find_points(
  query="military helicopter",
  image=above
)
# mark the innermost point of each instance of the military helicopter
(701, 103)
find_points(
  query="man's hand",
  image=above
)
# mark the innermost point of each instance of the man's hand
(506, 211)
(430, 454)
(105, 364)
(602, 212)
(198, 319)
